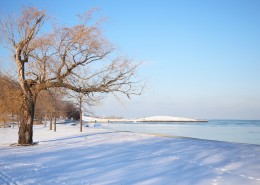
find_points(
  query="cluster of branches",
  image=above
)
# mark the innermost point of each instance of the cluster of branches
(65, 56)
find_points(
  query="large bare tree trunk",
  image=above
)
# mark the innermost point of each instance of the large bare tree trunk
(26, 124)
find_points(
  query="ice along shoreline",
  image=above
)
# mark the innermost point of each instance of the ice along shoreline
(146, 119)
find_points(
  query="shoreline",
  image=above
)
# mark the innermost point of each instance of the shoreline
(184, 137)
(145, 119)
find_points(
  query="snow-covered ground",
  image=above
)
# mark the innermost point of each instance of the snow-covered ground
(99, 156)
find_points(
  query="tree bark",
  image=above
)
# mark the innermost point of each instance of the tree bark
(13, 119)
(26, 122)
(51, 122)
(45, 120)
(55, 122)
(80, 112)
(81, 122)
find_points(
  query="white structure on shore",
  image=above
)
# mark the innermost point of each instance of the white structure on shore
(165, 119)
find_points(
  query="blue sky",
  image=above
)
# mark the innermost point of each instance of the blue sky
(201, 58)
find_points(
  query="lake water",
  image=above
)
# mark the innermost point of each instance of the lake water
(240, 131)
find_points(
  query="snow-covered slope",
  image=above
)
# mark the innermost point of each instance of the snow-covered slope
(165, 119)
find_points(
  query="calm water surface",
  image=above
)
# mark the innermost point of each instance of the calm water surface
(240, 131)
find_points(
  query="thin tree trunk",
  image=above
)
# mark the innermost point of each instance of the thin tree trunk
(80, 111)
(45, 120)
(40, 120)
(80, 122)
(51, 122)
(55, 123)
(13, 119)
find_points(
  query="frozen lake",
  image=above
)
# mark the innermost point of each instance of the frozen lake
(239, 131)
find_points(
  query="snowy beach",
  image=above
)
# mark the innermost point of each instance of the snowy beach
(99, 156)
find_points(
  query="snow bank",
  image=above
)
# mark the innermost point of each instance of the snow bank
(99, 156)
(165, 119)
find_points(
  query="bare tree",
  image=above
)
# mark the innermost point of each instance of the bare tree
(82, 100)
(53, 60)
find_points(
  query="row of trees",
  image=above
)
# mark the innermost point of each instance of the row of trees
(10, 99)
(50, 104)
(71, 57)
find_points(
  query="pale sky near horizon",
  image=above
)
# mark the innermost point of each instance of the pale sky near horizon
(201, 59)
